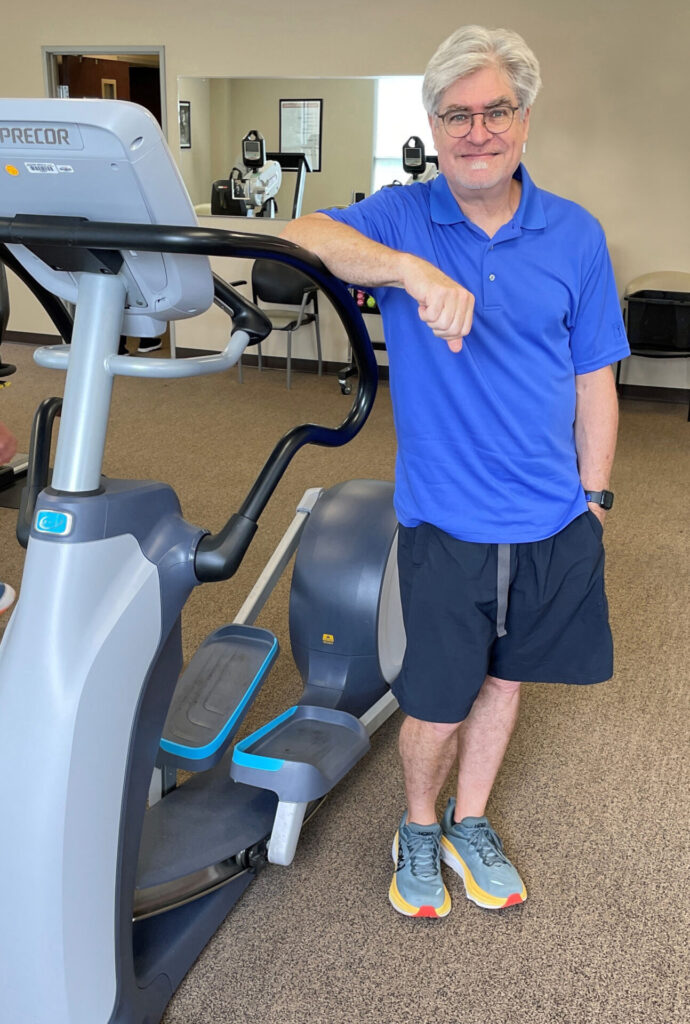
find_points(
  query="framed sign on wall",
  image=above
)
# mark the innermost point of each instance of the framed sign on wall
(301, 123)
(185, 118)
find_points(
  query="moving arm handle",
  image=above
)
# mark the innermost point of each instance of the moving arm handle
(245, 315)
(39, 462)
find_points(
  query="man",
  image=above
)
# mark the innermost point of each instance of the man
(506, 429)
(8, 447)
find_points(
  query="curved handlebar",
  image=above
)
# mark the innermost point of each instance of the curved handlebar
(217, 556)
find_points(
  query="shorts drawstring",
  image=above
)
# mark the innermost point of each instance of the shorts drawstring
(502, 584)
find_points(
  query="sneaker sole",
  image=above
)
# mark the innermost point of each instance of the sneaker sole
(7, 599)
(409, 909)
(473, 891)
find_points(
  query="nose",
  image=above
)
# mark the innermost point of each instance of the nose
(478, 133)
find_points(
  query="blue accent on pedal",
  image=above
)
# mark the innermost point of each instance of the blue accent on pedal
(266, 764)
(198, 753)
(56, 523)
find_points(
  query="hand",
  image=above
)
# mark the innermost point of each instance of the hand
(444, 305)
(598, 511)
(8, 444)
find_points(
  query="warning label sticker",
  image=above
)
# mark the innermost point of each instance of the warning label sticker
(41, 168)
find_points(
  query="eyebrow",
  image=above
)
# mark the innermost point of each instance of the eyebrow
(504, 101)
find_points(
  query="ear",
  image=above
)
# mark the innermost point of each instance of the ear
(435, 127)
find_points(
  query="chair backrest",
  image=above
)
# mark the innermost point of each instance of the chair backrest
(660, 281)
(276, 282)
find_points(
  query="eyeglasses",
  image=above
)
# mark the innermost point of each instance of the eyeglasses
(497, 120)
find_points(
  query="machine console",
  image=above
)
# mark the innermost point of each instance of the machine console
(102, 160)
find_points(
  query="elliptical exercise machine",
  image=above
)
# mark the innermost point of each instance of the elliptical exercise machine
(105, 903)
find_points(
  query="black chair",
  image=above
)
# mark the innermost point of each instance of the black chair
(277, 283)
(657, 317)
(6, 369)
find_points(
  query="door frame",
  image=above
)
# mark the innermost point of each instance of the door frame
(51, 53)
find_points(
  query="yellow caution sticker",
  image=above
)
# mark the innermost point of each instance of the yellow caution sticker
(328, 638)
(11, 169)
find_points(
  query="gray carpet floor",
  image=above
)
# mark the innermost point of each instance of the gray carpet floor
(592, 800)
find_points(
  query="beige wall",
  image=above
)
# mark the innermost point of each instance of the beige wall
(195, 163)
(609, 129)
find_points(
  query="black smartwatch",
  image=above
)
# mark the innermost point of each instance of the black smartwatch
(602, 498)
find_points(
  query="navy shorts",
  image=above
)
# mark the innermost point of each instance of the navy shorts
(532, 612)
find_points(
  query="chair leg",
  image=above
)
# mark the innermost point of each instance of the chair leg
(258, 356)
(239, 370)
(318, 344)
(289, 358)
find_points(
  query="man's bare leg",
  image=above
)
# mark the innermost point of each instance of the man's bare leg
(428, 750)
(482, 743)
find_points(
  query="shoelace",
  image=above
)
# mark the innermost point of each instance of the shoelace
(488, 845)
(424, 853)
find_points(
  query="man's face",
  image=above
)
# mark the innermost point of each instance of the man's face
(480, 160)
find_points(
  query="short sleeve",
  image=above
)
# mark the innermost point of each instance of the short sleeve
(597, 336)
(381, 217)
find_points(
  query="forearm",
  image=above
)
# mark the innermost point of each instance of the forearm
(443, 304)
(348, 254)
(596, 427)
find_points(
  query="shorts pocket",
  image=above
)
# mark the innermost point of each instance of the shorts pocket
(413, 542)
(596, 524)
(420, 544)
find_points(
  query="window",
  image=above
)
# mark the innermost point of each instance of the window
(399, 114)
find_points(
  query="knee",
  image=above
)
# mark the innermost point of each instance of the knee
(436, 732)
(501, 687)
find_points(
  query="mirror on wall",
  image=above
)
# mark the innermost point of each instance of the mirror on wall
(360, 141)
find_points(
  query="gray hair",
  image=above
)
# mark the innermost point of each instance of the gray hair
(472, 48)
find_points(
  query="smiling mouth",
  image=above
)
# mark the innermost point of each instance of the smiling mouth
(479, 163)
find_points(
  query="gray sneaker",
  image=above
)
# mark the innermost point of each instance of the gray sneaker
(7, 596)
(474, 851)
(417, 889)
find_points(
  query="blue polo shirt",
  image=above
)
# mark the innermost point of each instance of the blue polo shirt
(486, 445)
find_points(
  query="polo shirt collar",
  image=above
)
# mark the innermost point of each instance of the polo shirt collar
(530, 214)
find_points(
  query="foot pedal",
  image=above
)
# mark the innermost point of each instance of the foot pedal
(300, 756)
(214, 694)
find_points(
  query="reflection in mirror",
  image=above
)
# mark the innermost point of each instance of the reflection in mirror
(365, 124)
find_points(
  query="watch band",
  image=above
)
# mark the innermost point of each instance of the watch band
(602, 498)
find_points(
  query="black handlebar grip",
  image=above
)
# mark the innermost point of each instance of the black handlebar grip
(245, 315)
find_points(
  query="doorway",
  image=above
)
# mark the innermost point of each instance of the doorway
(134, 73)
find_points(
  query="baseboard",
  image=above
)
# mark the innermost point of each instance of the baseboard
(302, 365)
(29, 338)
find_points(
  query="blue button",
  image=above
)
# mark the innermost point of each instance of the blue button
(56, 523)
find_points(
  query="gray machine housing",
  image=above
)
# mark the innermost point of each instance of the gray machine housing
(346, 629)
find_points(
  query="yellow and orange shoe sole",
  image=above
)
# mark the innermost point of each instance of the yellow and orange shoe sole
(473, 891)
(409, 909)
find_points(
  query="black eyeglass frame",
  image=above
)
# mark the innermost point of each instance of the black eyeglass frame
(479, 113)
